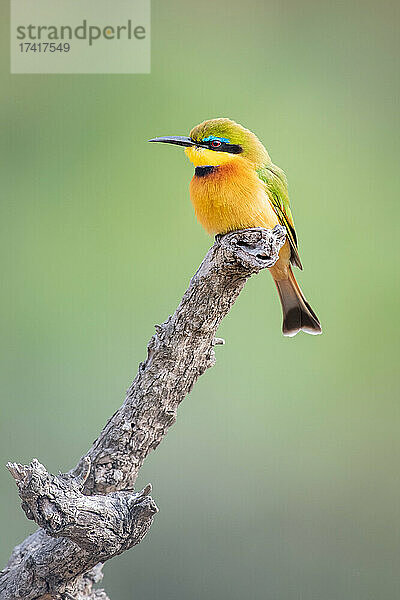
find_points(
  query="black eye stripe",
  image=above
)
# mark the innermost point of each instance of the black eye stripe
(232, 148)
(224, 147)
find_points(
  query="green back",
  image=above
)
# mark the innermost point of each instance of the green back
(276, 187)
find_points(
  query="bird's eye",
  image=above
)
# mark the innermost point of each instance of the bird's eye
(216, 144)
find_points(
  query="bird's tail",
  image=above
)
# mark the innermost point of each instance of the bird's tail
(297, 313)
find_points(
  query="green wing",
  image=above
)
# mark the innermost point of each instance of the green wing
(276, 187)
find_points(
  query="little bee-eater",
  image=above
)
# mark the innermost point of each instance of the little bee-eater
(236, 186)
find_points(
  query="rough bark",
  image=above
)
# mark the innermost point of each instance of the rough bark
(91, 514)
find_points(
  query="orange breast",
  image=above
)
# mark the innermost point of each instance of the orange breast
(231, 197)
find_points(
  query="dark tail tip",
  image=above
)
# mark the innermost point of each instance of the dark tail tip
(297, 313)
(299, 318)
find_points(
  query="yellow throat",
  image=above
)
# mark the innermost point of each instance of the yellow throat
(202, 157)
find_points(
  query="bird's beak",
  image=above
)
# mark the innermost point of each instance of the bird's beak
(178, 140)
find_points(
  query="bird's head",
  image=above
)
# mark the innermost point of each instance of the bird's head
(219, 141)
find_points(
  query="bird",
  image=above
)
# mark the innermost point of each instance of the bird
(237, 186)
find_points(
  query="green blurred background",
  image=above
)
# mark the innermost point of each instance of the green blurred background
(280, 479)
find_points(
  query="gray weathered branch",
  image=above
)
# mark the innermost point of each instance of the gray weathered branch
(90, 529)
(91, 514)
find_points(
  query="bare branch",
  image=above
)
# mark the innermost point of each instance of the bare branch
(91, 514)
(90, 529)
(102, 525)
(180, 351)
